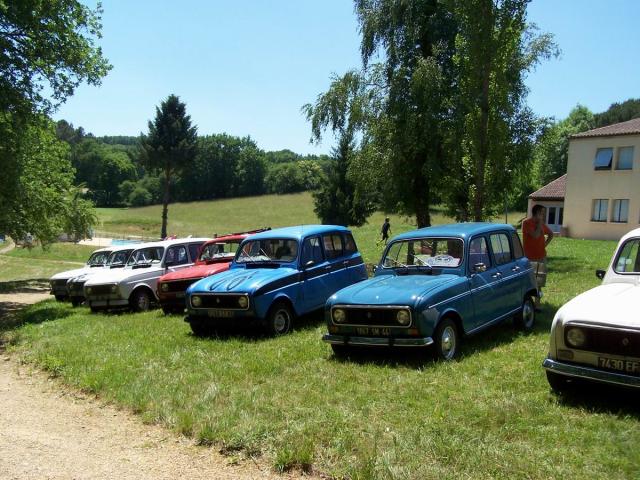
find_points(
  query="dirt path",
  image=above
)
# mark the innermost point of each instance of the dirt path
(53, 432)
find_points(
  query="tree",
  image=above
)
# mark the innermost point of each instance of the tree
(495, 48)
(618, 112)
(336, 201)
(170, 146)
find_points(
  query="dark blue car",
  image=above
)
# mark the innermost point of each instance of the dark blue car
(276, 276)
(435, 285)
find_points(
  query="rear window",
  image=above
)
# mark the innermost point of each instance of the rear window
(333, 247)
(349, 244)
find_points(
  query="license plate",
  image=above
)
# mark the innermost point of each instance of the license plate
(373, 331)
(627, 366)
(221, 313)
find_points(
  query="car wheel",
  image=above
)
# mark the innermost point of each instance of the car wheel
(60, 298)
(446, 340)
(76, 302)
(140, 300)
(280, 319)
(199, 327)
(526, 318)
(558, 383)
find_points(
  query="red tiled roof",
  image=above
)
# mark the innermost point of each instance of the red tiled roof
(630, 127)
(551, 191)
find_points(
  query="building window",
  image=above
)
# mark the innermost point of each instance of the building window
(600, 208)
(625, 158)
(603, 159)
(620, 213)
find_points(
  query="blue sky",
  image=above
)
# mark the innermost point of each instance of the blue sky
(246, 67)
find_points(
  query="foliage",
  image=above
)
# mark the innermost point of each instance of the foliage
(292, 177)
(170, 146)
(336, 202)
(81, 217)
(618, 112)
(145, 191)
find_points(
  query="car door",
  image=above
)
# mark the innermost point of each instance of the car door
(333, 244)
(316, 274)
(509, 294)
(353, 260)
(484, 285)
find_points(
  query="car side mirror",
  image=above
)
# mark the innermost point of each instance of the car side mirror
(309, 264)
(600, 274)
(479, 267)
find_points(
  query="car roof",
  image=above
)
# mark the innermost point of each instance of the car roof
(168, 243)
(228, 238)
(298, 232)
(461, 230)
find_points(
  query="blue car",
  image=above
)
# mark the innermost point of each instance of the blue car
(276, 276)
(433, 286)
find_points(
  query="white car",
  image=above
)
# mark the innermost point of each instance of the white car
(596, 336)
(117, 259)
(58, 282)
(135, 285)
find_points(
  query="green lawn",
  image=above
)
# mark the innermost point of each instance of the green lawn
(381, 415)
(69, 252)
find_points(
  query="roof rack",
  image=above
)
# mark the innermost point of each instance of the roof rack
(250, 232)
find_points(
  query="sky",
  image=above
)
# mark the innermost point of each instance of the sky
(247, 67)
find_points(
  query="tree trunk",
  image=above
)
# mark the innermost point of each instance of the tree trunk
(422, 196)
(165, 204)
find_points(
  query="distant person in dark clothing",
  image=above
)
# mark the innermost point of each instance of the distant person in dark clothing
(385, 231)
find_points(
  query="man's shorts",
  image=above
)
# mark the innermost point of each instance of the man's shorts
(540, 269)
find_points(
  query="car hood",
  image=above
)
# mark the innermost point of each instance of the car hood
(611, 304)
(71, 273)
(242, 280)
(126, 274)
(391, 289)
(197, 271)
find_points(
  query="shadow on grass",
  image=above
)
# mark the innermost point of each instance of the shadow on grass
(14, 315)
(36, 285)
(600, 398)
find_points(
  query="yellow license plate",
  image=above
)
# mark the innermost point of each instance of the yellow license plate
(221, 313)
(626, 366)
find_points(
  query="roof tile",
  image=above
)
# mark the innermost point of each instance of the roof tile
(552, 191)
(630, 127)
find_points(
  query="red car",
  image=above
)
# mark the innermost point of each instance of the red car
(214, 256)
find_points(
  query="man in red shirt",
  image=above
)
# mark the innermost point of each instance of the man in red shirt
(533, 232)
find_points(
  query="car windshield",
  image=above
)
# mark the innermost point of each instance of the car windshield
(146, 255)
(628, 260)
(219, 250)
(271, 250)
(119, 258)
(425, 252)
(98, 258)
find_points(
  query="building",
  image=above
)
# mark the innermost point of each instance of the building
(551, 196)
(602, 194)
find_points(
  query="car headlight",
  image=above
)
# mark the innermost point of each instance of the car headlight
(114, 288)
(403, 317)
(576, 337)
(339, 315)
(243, 302)
(196, 301)
(164, 287)
(89, 290)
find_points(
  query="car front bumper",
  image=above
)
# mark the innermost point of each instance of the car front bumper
(590, 373)
(377, 341)
(115, 302)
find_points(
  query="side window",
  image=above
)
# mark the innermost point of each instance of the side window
(312, 251)
(349, 244)
(518, 252)
(332, 245)
(193, 251)
(177, 255)
(628, 260)
(479, 252)
(501, 248)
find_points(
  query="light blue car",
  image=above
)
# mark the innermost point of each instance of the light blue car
(276, 276)
(432, 287)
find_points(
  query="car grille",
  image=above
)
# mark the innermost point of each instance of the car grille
(76, 288)
(179, 285)
(377, 317)
(100, 290)
(613, 341)
(228, 302)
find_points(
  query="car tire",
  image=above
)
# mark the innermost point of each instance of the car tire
(140, 300)
(200, 328)
(446, 341)
(76, 302)
(525, 319)
(60, 298)
(558, 383)
(279, 319)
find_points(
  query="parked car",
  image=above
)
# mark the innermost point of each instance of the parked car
(75, 285)
(58, 283)
(596, 336)
(214, 257)
(135, 285)
(434, 286)
(275, 277)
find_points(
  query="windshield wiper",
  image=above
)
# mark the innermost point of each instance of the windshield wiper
(400, 264)
(423, 263)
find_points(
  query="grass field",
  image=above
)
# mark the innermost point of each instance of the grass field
(68, 252)
(380, 415)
